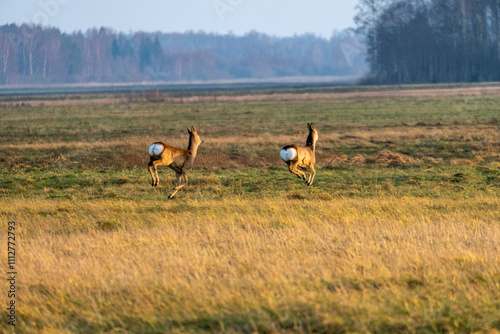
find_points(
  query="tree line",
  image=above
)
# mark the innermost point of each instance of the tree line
(431, 41)
(34, 54)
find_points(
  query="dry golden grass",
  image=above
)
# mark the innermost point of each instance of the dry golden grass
(378, 265)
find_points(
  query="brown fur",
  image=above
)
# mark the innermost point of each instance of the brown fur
(179, 160)
(306, 156)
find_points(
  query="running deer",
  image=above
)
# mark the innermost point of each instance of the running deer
(175, 158)
(302, 156)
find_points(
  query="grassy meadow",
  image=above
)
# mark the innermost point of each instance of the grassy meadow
(399, 233)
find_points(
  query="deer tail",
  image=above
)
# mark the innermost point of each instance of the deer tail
(155, 149)
(288, 153)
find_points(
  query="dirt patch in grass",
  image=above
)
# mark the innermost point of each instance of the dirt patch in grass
(388, 157)
(383, 157)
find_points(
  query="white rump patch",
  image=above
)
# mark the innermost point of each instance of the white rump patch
(288, 154)
(155, 149)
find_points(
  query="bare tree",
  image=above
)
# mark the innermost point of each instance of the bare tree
(413, 41)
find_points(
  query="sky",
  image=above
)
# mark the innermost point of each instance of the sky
(273, 17)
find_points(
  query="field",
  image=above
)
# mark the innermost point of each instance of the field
(399, 233)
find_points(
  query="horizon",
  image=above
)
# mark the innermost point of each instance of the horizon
(219, 17)
(131, 32)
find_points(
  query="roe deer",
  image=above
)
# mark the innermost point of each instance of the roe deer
(302, 156)
(177, 159)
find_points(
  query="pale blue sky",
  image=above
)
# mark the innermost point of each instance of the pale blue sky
(275, 17)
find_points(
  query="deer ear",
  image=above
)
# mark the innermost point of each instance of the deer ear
(189, 131)
(193, 129)
(308, 126)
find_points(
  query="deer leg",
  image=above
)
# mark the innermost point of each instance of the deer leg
(293, 169)
(185, 177)
(150, 168)
(309, 177)
(179, 185)
(156, 173)
(313, 175)
(300, 175)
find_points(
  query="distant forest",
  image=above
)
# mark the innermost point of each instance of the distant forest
(33, 54)
(430, 41)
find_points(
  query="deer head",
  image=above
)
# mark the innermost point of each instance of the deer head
(193, 137)
(313, 135)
